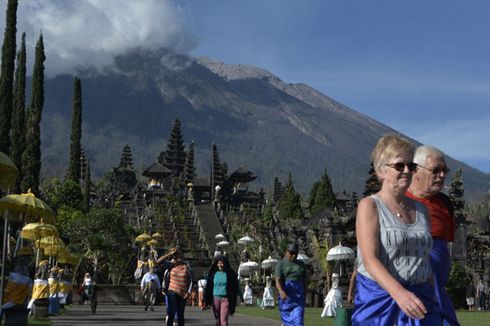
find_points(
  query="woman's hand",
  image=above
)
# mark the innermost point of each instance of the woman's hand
(411, 305)
(283, 295)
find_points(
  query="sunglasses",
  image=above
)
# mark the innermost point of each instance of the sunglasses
(437, 171)
(400, 166)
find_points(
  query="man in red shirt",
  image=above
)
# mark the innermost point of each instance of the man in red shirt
(426, 186)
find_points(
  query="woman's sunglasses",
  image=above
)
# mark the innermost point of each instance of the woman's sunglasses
(400, 166)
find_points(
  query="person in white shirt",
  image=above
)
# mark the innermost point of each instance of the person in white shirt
(150, 284)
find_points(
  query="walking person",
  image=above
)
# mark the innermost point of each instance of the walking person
(150, 284)
(394, 242)
(481, 295)
(201, 287)
(470, 295)
(290, 277)
(426, 186)
(222, 290)
(177, 288)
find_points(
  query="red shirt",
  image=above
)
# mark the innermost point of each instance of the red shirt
(441, 215)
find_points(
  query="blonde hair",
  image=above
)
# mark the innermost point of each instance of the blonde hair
(388, 147)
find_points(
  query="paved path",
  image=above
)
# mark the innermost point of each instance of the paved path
(135, 315)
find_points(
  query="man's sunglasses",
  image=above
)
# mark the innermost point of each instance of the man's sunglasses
(400, 166)
(437, 171)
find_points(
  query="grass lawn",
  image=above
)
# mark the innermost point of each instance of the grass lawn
(312, 316)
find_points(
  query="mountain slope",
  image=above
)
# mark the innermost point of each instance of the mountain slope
(256, 120)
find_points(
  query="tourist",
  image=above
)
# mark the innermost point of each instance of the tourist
(481, 295)
(290, 277)
(394, 242)
(177, 288)
(427, 183)
(470, 296)
(201, 287)
(87, 288)
(150, 284)
(222, 290)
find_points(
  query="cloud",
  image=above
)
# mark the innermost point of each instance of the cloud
(464, 140)
(90, 32)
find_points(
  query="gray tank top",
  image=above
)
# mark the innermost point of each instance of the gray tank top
(403, 248)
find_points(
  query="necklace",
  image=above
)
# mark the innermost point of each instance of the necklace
(402, 207)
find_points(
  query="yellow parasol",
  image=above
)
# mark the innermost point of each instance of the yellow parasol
(143, 237)
(29, 205)
(151, 243)
(156, 236)
(34, 231)
(8, 172)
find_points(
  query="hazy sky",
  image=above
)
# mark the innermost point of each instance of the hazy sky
(421, 67)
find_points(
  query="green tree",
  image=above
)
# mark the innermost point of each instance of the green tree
(31, 157)
(322, 195)
(76, 133)
(86, 188)
(63, 194)
(289, 206)
(100, 237)
(7, 74)
(17, 131)
(456, 194)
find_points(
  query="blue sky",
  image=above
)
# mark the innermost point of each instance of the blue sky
(421, 67)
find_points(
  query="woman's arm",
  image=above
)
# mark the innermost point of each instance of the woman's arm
(282, 294)
(367, 233)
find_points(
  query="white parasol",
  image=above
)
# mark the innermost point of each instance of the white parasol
(304, 258)
(269, 263)
(245, 240)
(219, 236)
(340, 252)
(247, 268)
(223, 243)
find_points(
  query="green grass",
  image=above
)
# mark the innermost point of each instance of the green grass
(312, 316)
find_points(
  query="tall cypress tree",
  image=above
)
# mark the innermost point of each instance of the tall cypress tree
(17, 131)
(76, 133)
(289, 206)
(322, 195)
(7, 77)
(31, 158)
(456, 194)
(86, 187)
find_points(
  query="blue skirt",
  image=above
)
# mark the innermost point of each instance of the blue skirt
(375, 307)
(441, 265)
(292, 310)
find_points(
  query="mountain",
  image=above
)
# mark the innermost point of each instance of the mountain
(256, 120)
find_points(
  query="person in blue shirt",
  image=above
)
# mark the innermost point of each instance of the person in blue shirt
(222, 290)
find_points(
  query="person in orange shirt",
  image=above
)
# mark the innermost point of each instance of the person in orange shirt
(427, 183)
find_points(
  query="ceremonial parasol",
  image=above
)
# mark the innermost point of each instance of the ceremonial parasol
(269, 263)
(34, 231)
(245, 240)
(219, 236)
(156, 235)
(247, 268)
(304, 258)
(340, 252)
(29, 205)
(223, 243)
(143, 237)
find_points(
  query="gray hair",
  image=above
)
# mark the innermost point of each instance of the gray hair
(422, 153)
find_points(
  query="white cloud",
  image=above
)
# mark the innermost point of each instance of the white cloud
(90, 32)
(464, 140)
